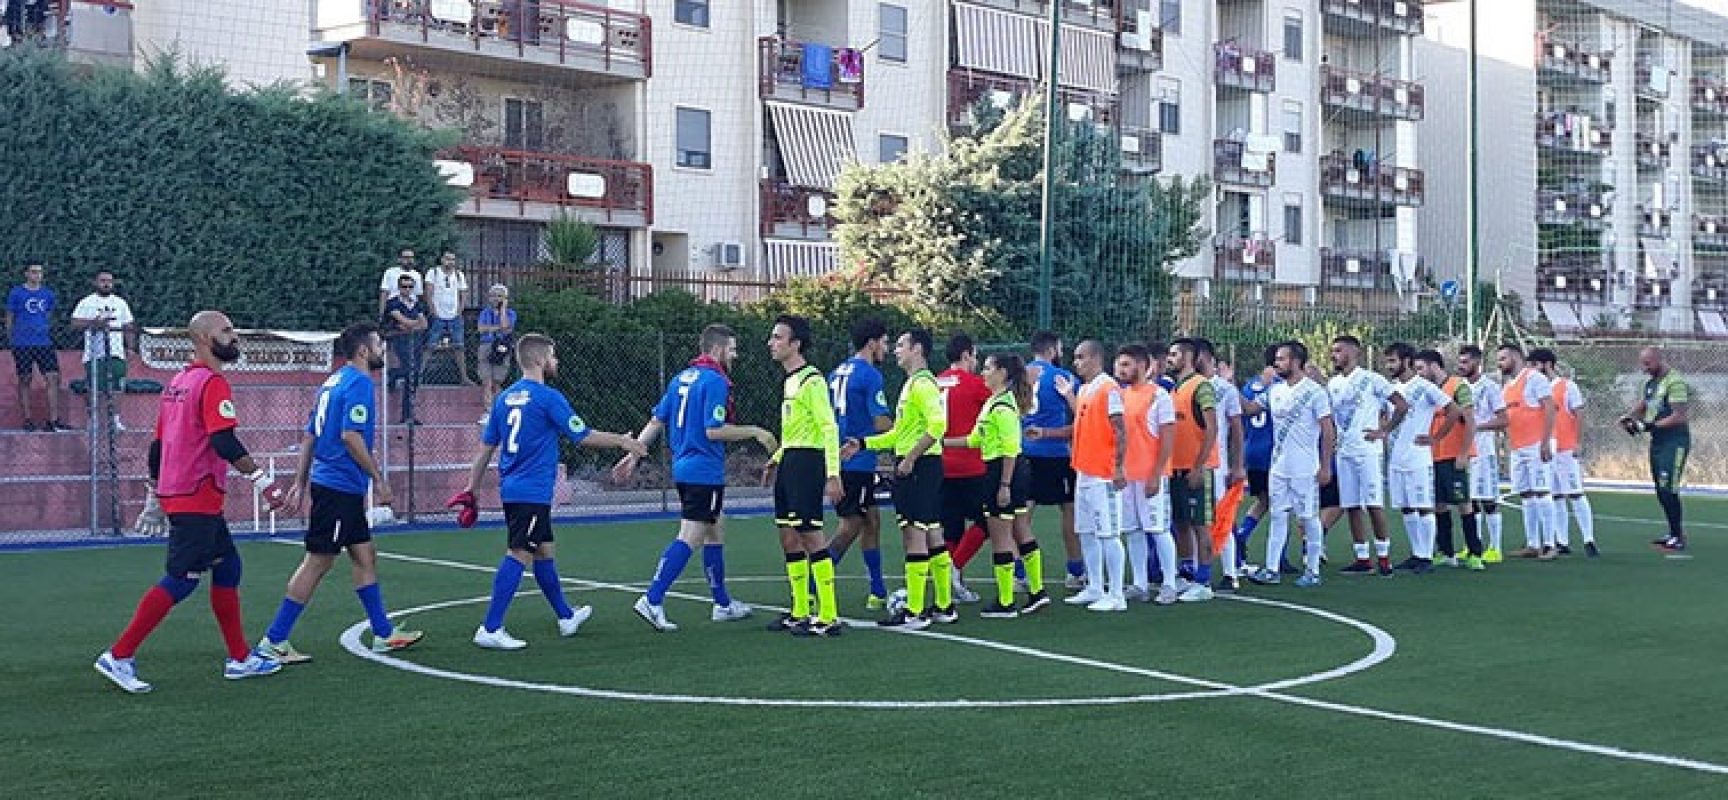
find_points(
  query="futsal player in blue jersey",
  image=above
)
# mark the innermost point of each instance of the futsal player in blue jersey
(861, 408)
(526, 421)
(1048, 424)
(1257, 451)
(696, 415)
(335, 470)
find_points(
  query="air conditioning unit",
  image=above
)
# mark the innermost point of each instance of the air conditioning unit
(728, 255)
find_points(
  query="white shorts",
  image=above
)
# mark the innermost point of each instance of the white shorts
(1485, 477)
(1361, 484)
(1097, 508)
(1146, 514)
(1412, 489)
(1530, 474)
(1568, 475)
(1299, 496)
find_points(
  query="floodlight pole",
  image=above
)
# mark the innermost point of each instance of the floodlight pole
(1473, 262)
(1046, 211)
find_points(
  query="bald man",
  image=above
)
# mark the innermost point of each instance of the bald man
(189, 459)
(1662, 413)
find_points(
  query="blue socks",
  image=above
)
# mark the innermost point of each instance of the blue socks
(1019, 569)
(873, 564)
(546, 574)
(1203, 574)
(1076, 568)
(503, 590)
(373, 599)
(1244, 531)
(287, 615)
(714, 566)
(672, 561)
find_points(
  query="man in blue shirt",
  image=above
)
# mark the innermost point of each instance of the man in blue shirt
(28, 307)
(527, 420)
(335, 468)
(861, 408)
(1048, 425)
(696, 414)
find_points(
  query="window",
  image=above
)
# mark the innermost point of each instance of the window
(1170, 16)
(691, 12)
(1169, 106)
(1293, 219)
(1293, 35)
(693, 139)
(892, 147)
(1292, 126)
(377, 95)
(891, 32)
(524, 126)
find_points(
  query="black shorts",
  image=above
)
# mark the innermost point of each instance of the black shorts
(1191, 506)
(530, 525)
(1451, 484)
(798, 486)
(962, 502)
(857, 494)
(1016, 491)
(700, 503)
(338, 520)
(196, 542)
(918, 497)
(40, 357)
(1259, 482)
(1329, 497)
(1051, 480)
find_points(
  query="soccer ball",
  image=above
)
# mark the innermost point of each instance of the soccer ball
(896, 601)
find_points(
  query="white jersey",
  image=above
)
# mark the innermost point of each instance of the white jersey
(1490, 401)
(1229, 405)
(1423, 398)
(1296, 414)
(1358, 399)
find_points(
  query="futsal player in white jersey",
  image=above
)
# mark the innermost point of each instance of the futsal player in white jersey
(1530, 438)
(1230, 469)
(1303, 438)
(1485, 465)
(1360, 398)
(1568, 476)
(1412, 458)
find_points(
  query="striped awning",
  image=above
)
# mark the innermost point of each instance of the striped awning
(1088, 59)
(786, 259)
(814, 143)
(1016, 45)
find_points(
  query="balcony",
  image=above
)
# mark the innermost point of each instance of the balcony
(1653, 81)
(1653, 295)
(818, 74)
(1655, 223)
(88, 31)
(1571, 280)
(1355, 181)
(1142, 150)
(1244, 67)
(1232, 163)
(1251, 260)
(1710, 231)
(1710, 162)
(1371, 95)
(1139, 40)
(1572, 133)
(795, 212)
(1653, 151)
(533, 185)
(1710, 97)
(493, 37)
(1342, 268)
(1097, 14)
(1562, 62)
(1586, 210)
(967, 89)
(1367, 18)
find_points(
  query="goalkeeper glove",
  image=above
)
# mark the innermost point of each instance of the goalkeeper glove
(151, 521)
(467, 508)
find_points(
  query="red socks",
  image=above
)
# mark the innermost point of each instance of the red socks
(225, 602)
(970, 542)
(153, 607)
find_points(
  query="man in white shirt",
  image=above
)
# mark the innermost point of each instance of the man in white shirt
(1568, 475)
(445, 284)
(1303, 437)
(1485, 465)
(1412, 457)
(1360, 397)
(1530, 437)
(404, 266)
(108, 326)
(1230, 470)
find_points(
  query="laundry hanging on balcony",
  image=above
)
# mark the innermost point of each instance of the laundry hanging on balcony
(818, 66)
(849, 62)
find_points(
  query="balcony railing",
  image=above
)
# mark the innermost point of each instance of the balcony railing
(1653, 151)
(1710, 231)
(811, 73)
(1253, 259)
(1584, 209)
(1344, 177)
(1710, 162)
(1368, 93)
(1362, 17)
(1710, 96)
(966, 88)
(561, 32)
(1563, 59)
(1142, 149)
(1139, 40)
(1573, 133)
(1655, 223)
(1232, 163)
(1344, 268)
(89, 31)
(1090, 13)
(1653, 295)
(1652, 79)
(534, 183)
(1572, 280)
(796, 212)
(1244, 67)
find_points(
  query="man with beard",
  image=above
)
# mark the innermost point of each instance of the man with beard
(335, 468)
(1411, 455)
(1303, 441)
(107, 323)
(1663, 412)
(1530, 415)
(188, 462)
(1359, 400)
(1490, 413)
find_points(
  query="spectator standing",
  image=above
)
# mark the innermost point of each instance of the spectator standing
(405, 324)
(497, 327)
(28, 309)
(445, 285)
(108, 326)
(404, 266)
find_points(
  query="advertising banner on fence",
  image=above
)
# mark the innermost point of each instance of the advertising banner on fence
(260, 351)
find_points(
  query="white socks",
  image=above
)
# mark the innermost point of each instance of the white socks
(1586, 518)
(1314, 544)
(1277, 534)
(1413, 531)
(1422, 529)
(1538, 519)
(1228, 557)
(1165, 545)
(1137, 551)
(1493, 519)
(1092, 551)
(1114, 561)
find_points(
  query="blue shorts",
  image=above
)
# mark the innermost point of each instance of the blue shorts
(441, 328)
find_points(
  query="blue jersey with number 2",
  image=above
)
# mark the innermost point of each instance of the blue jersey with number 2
(526, 422)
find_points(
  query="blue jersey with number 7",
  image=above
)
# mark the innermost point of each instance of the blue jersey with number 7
(695, 403)
(526, 422)
(344, 404)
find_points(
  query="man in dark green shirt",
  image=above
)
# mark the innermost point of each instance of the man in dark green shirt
(1661, 412)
